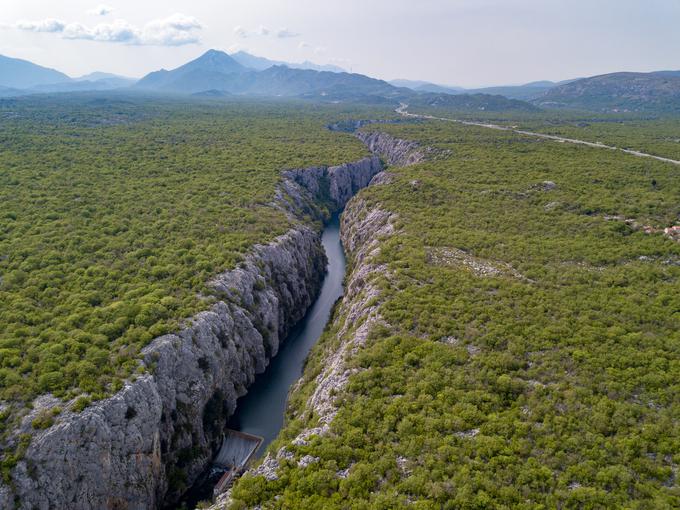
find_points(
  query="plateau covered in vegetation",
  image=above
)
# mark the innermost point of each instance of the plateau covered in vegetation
(524, 343)
(116, 212)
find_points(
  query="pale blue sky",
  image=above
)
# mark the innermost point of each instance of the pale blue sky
(457, 42)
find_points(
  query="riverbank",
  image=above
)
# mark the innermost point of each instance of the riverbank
(261, 411)
(160, 431)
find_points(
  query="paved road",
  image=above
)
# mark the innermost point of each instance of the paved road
(403, 110)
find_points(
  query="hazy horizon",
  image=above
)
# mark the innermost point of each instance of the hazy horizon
(459, 43)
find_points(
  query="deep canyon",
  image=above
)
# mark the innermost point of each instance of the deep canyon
(145, 445)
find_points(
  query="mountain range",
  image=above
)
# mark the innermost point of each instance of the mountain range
(217, 71)
(217, 74)
(261, 63)
(654, 92)
(525, 92)
(425, 86)
(22, 74)
(20, 77)
(618, 92)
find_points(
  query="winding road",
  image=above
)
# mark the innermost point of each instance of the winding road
(403, 110)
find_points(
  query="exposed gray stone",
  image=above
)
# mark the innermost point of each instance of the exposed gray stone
(122, 452)
(394, 151)
(362, 226)
(307, 460)
(337, 183)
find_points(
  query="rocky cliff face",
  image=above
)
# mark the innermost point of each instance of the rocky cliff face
(337, 183)
(362, 227)
(160, 430)
(394, 151)
(135, 449)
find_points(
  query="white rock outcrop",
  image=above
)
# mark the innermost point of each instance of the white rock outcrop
(337, 183)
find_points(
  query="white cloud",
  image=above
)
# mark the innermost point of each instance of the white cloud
(302, 45)
(47, 25)
(101, 10)
(175, 30)
(284, 33)
(118, 31)
(263, 31)
(320, 50)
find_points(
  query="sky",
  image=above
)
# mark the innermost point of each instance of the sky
(468, 43)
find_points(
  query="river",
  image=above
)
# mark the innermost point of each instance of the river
(262, 410)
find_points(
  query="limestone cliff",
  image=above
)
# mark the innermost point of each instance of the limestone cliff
(161, 429)
(363, 228)
(337, 183)
(394, 151)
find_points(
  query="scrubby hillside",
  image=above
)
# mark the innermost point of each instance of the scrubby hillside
(470, 103)
(618, 92)
(509, 337)
(117, 211)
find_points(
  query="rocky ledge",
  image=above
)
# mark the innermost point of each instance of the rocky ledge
(140, 447)
(395, 151)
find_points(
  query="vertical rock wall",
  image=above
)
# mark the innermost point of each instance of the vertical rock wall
(138, 448)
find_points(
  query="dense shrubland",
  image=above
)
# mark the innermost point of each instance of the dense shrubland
(659, 137)
(654, 134)
(115, 213)
(551, 383)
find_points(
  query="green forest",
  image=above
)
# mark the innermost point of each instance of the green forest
(658, 135)
(549, 378)
(654, 136)
(550, 383)
(117, 211)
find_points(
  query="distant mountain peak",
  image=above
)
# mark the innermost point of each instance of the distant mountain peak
(261, 63)
(214, 52)
(214, 56)
(18, 73)
(215, 60)
(109, 78)
(206, 72)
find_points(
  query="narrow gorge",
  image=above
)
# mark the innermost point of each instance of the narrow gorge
(362, 227)
(143, 446)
